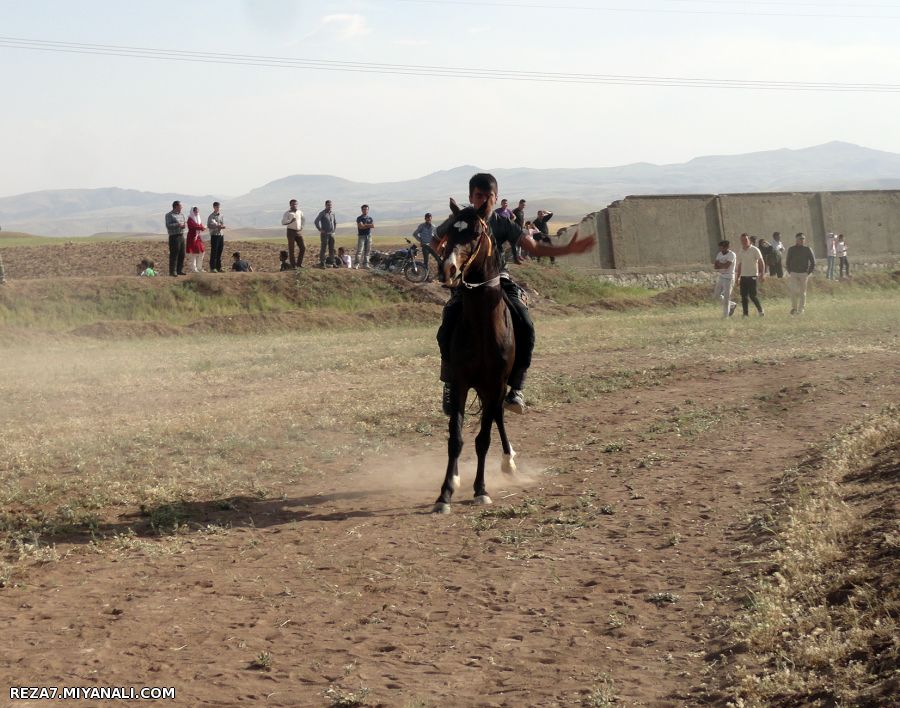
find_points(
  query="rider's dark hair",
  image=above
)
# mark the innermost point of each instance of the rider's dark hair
(484, 181)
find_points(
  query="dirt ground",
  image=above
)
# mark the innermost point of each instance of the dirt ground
(122, 257)
(605, 572)
(605, 569)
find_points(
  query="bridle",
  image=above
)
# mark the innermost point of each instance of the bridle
(490, 249)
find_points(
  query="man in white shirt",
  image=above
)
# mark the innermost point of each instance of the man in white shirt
(750, 269)
(293, 219)
(840, 250)
(830, 252)
(776, 268)
(724, 265)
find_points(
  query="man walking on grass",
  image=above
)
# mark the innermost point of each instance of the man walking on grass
(724, 263)
(800, 264)
(751, 269)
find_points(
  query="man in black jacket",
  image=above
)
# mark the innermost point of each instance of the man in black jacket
(800, 264)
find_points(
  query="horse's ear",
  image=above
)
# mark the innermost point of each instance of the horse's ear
(454, 207)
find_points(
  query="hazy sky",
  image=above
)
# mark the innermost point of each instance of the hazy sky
(70, 120)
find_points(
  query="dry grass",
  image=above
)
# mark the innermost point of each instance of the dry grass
(103, 439)
(823, 626)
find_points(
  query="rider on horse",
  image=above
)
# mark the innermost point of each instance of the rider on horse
(482, 190)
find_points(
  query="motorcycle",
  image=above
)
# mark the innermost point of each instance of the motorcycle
(404, 261)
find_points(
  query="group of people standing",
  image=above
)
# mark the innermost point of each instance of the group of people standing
(537, 228)
(193, 247)
(836, 250)
(326, 224)
(748, 267)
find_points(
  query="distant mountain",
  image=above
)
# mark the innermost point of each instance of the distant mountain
(570, 193)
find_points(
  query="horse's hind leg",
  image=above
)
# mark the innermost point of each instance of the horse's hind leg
(509, 463)
(454, 448)
(482, 443)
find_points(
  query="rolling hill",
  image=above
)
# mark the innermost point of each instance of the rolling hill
(570, 193)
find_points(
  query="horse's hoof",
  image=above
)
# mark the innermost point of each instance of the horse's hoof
(441, 508)
(483, 500)
(508, 466)
(454, 482)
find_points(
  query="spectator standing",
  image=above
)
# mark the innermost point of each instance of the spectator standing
(326, 224)
(800, 264)
(215, 222)
(195, 245)
(424, 234)
(543, 234)
(840, 249)
(240, 265)
(294, 221)
(750, 270)
(830, 251)
(364, 226)
(519, 214)
(776, 267)
(724, 265)
(175, 227)
(519, 217)
(504, 211)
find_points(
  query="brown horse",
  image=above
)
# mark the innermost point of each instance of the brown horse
(483, 347)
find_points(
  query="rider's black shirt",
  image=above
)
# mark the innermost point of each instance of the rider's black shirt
(504, 230)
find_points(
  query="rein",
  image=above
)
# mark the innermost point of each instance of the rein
(481, 239)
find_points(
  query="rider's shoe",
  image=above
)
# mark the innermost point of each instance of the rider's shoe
(514, 401)
(446, 400)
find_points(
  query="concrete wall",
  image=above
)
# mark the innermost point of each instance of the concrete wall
(870, 221)
(763, 214)
(656, 232)
(661, 231)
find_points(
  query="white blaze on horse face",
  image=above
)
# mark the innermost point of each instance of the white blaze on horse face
(450, 266)
(461, 226)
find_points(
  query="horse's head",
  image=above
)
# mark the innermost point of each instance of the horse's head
(468, 245)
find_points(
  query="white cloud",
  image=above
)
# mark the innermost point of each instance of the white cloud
(347, 26)
(478, 30)
(412, 42)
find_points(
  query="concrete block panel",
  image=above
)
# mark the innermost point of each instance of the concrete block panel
(762, 214)
(869, 220)
(662, 231)
(595, 224)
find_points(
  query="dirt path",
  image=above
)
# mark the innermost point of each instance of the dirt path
(605, 569)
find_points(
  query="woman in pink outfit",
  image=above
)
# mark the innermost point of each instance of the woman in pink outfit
(194, 244)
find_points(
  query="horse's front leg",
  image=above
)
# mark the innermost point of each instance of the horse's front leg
(482, 444)
(454, 448)
(508, 466)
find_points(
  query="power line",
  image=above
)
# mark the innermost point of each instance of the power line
(436, 71)
(663, 11)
